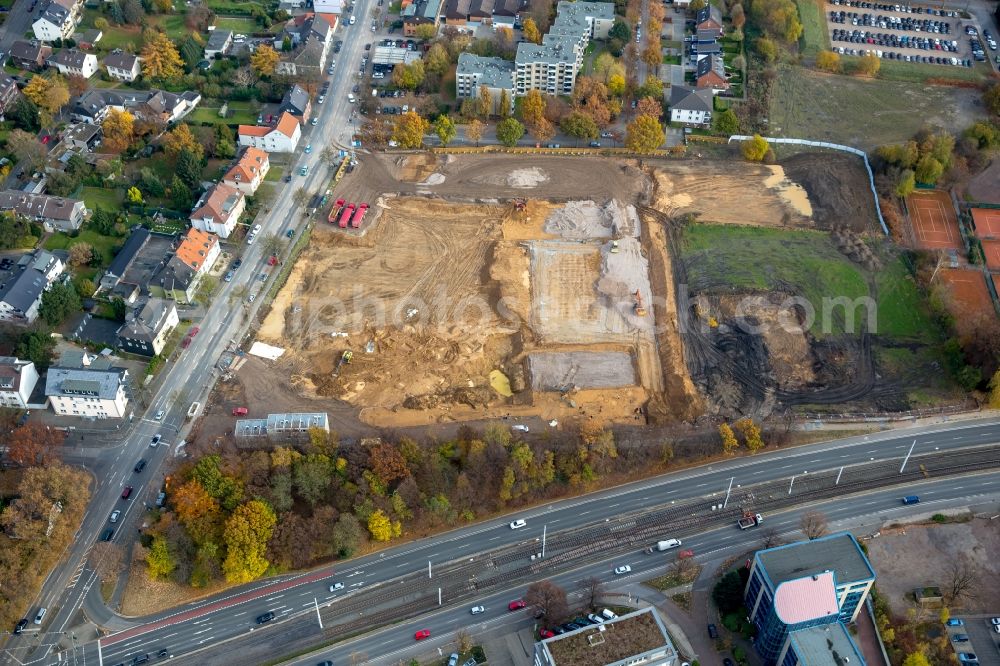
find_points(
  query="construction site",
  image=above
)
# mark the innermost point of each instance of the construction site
(494, 286)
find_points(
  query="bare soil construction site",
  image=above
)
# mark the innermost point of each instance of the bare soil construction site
(485, 286)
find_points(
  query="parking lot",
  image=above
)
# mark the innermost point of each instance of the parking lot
(983, 640)
(909, 33)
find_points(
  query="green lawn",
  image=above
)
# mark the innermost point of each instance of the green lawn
(171, 24)
(865, 113)
(815, 37)
(720, 258)
(671, 60)
(211, 115)
(105, 245)
(902, 311)
(239, 25)
(274, 174)
(910, 72)
(449, 90)
(108, 199)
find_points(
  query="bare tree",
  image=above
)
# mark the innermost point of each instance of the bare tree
(547, 599)
(769, 538)
(591, 589)
(107, 560)
(683, 568)
(961, 582)
(813, 524)
(300, 196)
(463, 641)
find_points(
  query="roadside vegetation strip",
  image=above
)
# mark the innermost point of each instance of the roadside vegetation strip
(815, 35)
(568, 151)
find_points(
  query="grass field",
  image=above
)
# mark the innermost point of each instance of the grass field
(237, 116)
(902, 311)
(864, 113)
(815, 37)
(108, 199)
(236, 24)
(754, 259)
(105, 245)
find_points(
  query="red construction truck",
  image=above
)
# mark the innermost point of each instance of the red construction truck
(345, 216)
(335, 211)
(359, 215)
(240, 411)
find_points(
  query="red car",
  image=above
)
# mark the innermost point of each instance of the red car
(517, 604)
(194, 331)
(46, 139)
(545, 633)
(422, 634)
(126, 492)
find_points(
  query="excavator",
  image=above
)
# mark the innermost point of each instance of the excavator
(637, 307)
(346, 357)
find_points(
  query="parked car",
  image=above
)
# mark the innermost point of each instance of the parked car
(713, 633)
(20, 626)
(954, 622)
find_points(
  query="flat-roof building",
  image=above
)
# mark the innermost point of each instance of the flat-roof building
(635, 638)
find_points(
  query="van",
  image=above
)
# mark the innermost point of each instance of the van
(911, 499)
(41, 615)
(350, 98)
(608, 615)
(352, 20)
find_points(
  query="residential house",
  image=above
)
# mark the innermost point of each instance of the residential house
(282, 138)
(17, 380)
(150, 105)
(806, 586)
(87, 39)
(219, 43)
(21, 293)
(482, 12)
(691, 106)
(709, 18)
(296, 102)
(710, 73)
(55, 213)
(329, 9)
(122, 66)
(146, 330)
(248, 172)
(123, 260)
(57, 19)
(311, 36)
(418, 13)
(83, 136)
(8, 93)
(95, 388)
(178, 278)
(219, 210)
(496, 74)
(29, 55)
(74, 62)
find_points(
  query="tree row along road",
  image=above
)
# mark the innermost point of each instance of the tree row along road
(392, 598)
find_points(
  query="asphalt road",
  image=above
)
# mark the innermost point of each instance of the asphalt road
(189, 378)
(231, 615)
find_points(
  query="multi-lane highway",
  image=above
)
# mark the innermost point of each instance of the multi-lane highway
(231, 617)
(189, 377)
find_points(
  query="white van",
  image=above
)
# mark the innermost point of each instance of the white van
(350, 98)
(41, 615)
(608, 615)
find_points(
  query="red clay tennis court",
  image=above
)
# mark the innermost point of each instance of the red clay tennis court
(991, 248)
(934, 221)
(987, 222)
(968, 288)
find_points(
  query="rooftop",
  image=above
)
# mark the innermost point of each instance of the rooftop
(197, 245)
(555, 50)
(809, 598)
(838, 553)
(631, 635)
(86, 382)
(826, 645)
(494, 72)
(250, 163)
(218, 39)
(277, 423)
(121, 60)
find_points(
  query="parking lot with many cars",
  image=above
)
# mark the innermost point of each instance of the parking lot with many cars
(905, 33)
(976, 640)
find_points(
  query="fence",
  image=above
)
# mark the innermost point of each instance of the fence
(832, 146)
(530, 150)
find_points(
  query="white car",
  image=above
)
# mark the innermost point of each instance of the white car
(623, 570)
(476, 610)
(519, 427)
(518, 524)
(251, 238)
(596, 619)
(156, 440)
(257, 228)
(995, 621)
(336, 586)
(114, 516)
(159, 415)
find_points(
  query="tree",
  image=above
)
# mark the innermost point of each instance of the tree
(620, 30)
(651, 87)
(379, 526)
(247, 532)
(928, 170)
(869, 65)
(591, 591)
(37, 347)
(346, 535)
(408, 77)
(992, 99)
(134, 196)
(961, 581)
(777, 18)
(264, 60)
(437, 61)
(696, 5)
(474, 130)
(651, 55)
(737, 16)
(132, 11)
(994, 395)
(755, 148)
(504, 104)
(444, 127)
(649, 106)
(60, 301)
(725, 123)
(107, 559)
(533, 108)
(188, 169)
(180, 139)
(530, 31)
(509, 131)
(579, 125)
(828, 61)
(916, 659)
(463, 639)
(751, 434)
(728, 593)
(47, 92)
(312, 475)
(27, 148)
(813, 524)
(644, 134)
(24, 114)
(485, 99)
(118, 127)
(616, 85)
(409, 130)
(425, 31)
(159, 561)
(547, 599)
(906, 184)
(34, 444)
(766, 48)
(160, 59)
(729, 442)
(81, 254)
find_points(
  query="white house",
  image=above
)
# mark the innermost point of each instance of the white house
(691, 106)
(73, 62)
(21, 294)
(17, 381)
(249, 171)
(282, 138)
(56, 20)
(219, 210)
(122, 66)
(96, 389)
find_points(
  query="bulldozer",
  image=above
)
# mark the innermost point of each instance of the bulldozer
(637, 307)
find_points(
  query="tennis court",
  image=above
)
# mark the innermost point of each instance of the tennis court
(934, 222)
(987, 222)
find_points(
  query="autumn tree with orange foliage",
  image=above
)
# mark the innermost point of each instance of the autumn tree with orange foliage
(34, 444)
